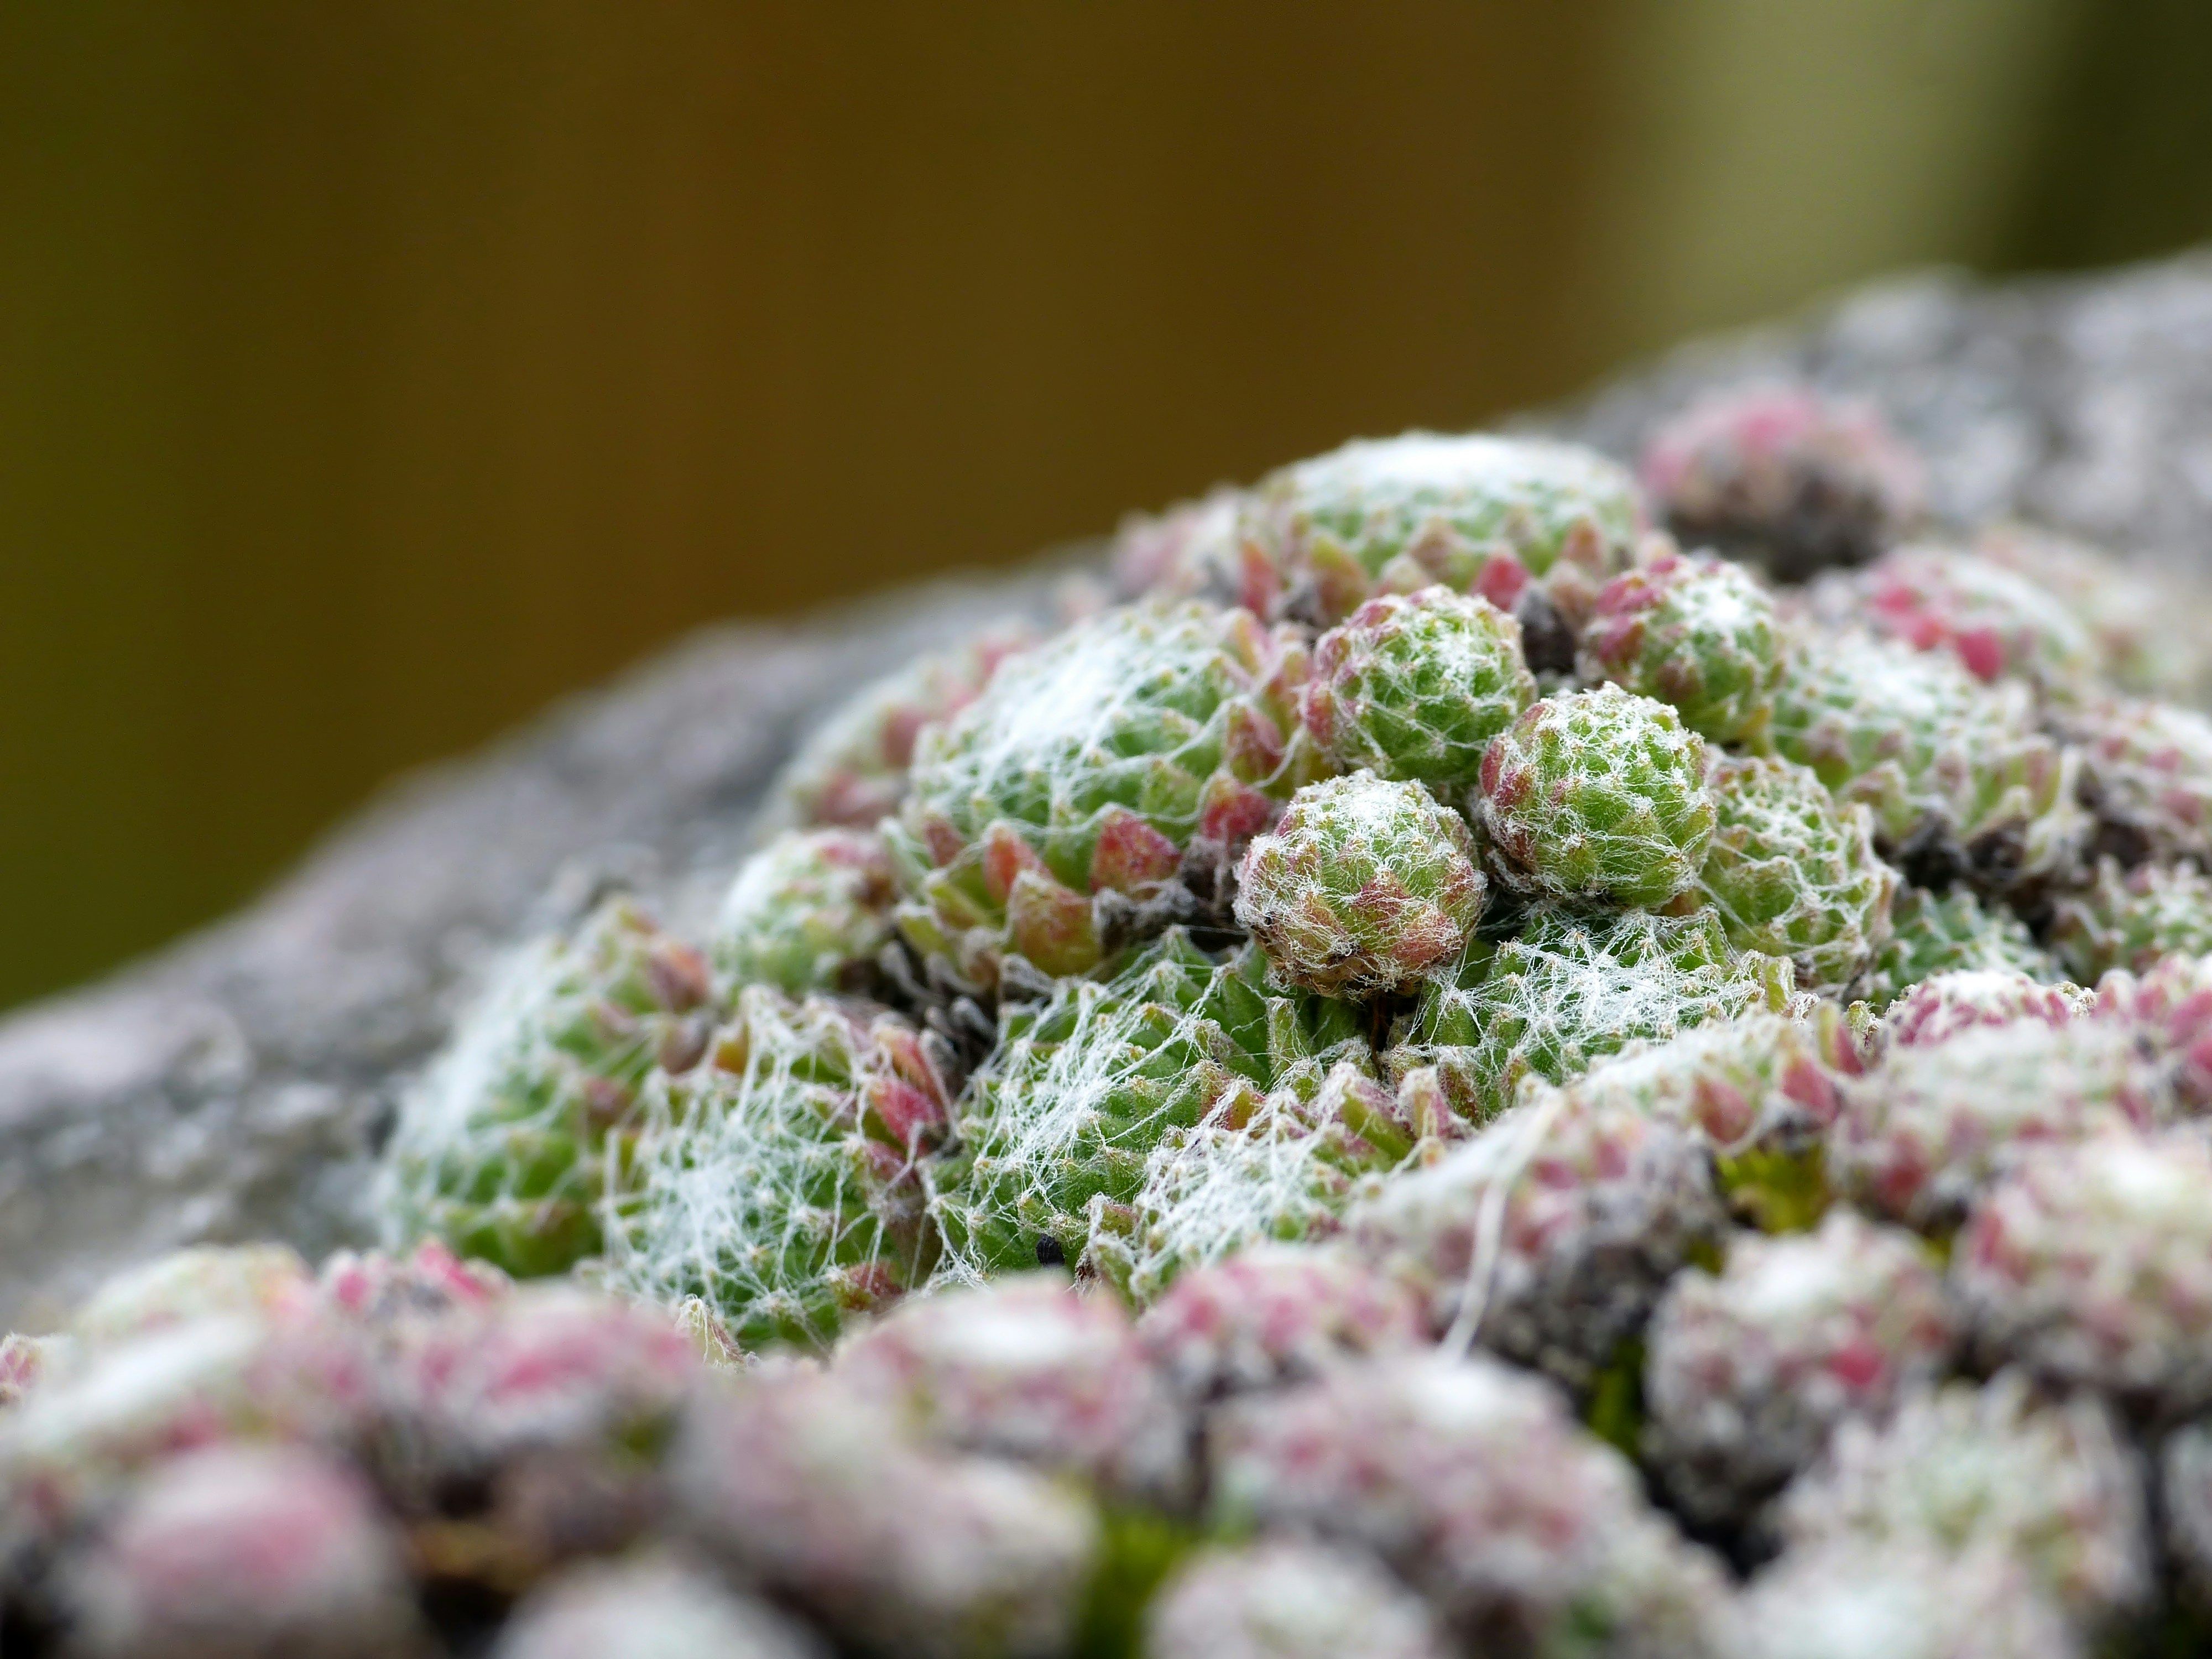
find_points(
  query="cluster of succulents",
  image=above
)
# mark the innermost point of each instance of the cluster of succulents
(1451, 1072)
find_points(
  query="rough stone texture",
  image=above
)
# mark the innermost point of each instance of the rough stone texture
(2083, 403)
(238, 1084)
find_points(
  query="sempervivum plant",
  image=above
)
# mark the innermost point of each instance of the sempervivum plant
(1853, 1599)
(1281, 1169)
(1759, 1079)
(1362, 886)
(1570, 990)
(1793, 872)
(2168, 1011)
(1939, 756)
(1057, 1130)
(1190, 551)
(1095, 762)
(1597, 797)
(2145, 621)
(1761, 1089)
(780, 1180)
(1946, 1004)
(508, 1147)
(1696, 632)
(1748, 1371)
(2092, 1266)
(1472, 1480)
(1927, 1129)
(809, 1488)
(807, 911)
(1782, 476)
(1276, 1314)
(1549, 1235)
(652, 1609)
(1288, 1601)
(1028, 1369)
(1481, 515)
(252, 1551)
(1416, 686)
(1933, 933)
(853, 770)
(1963, 1469)
(2131, 919)
(1995, 621)
(2146, 775)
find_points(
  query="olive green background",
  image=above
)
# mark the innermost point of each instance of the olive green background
(371, 373)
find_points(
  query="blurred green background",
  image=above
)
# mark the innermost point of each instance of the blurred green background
(371, 374)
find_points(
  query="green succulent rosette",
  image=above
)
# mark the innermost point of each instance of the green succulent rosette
(1570, 990)
(1597, 798)
(1056, 1132)
(1696, 633)
(807, 911)
(1097, 761)
(1362, 887)
(1478, 513)
(1793, 872)
(1933, 933)
(780, 1180)
(506, 1147)
(1416, 686)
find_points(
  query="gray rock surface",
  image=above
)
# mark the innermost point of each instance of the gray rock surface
(238, 1084)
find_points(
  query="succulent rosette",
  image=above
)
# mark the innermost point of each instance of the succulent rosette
(1910, 1600)
(1942, 1005)
(2143, 621)
(1782, 476)
(649, 1609)
(506, 1148)
(853, 769)
(1480, 515)
(1954, 931)
(1027, 1369)
(246, 1550)
(1597, 798)
(806, 1486)
(2168, 1011)
(2147, 776)
(1939, 756)
(780, 1180)
(1792, 872)
(1097, 763)
(1996, 622)
(1275, 1314)
(1471, 1480)
(1760, 1080)
(1695, 632)
(2131, 919)
(1924, 1132)
(1748, 1370)
(1057, 1131)
(1415, 685)
(256, 1281)
(1966, 1467)
(1362, 886)
(808, 911)
(1570, 990)
(1549, 1235)
(2091, 1266)
(1190, 551)
(1286, 1600)
(1282, 1169)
